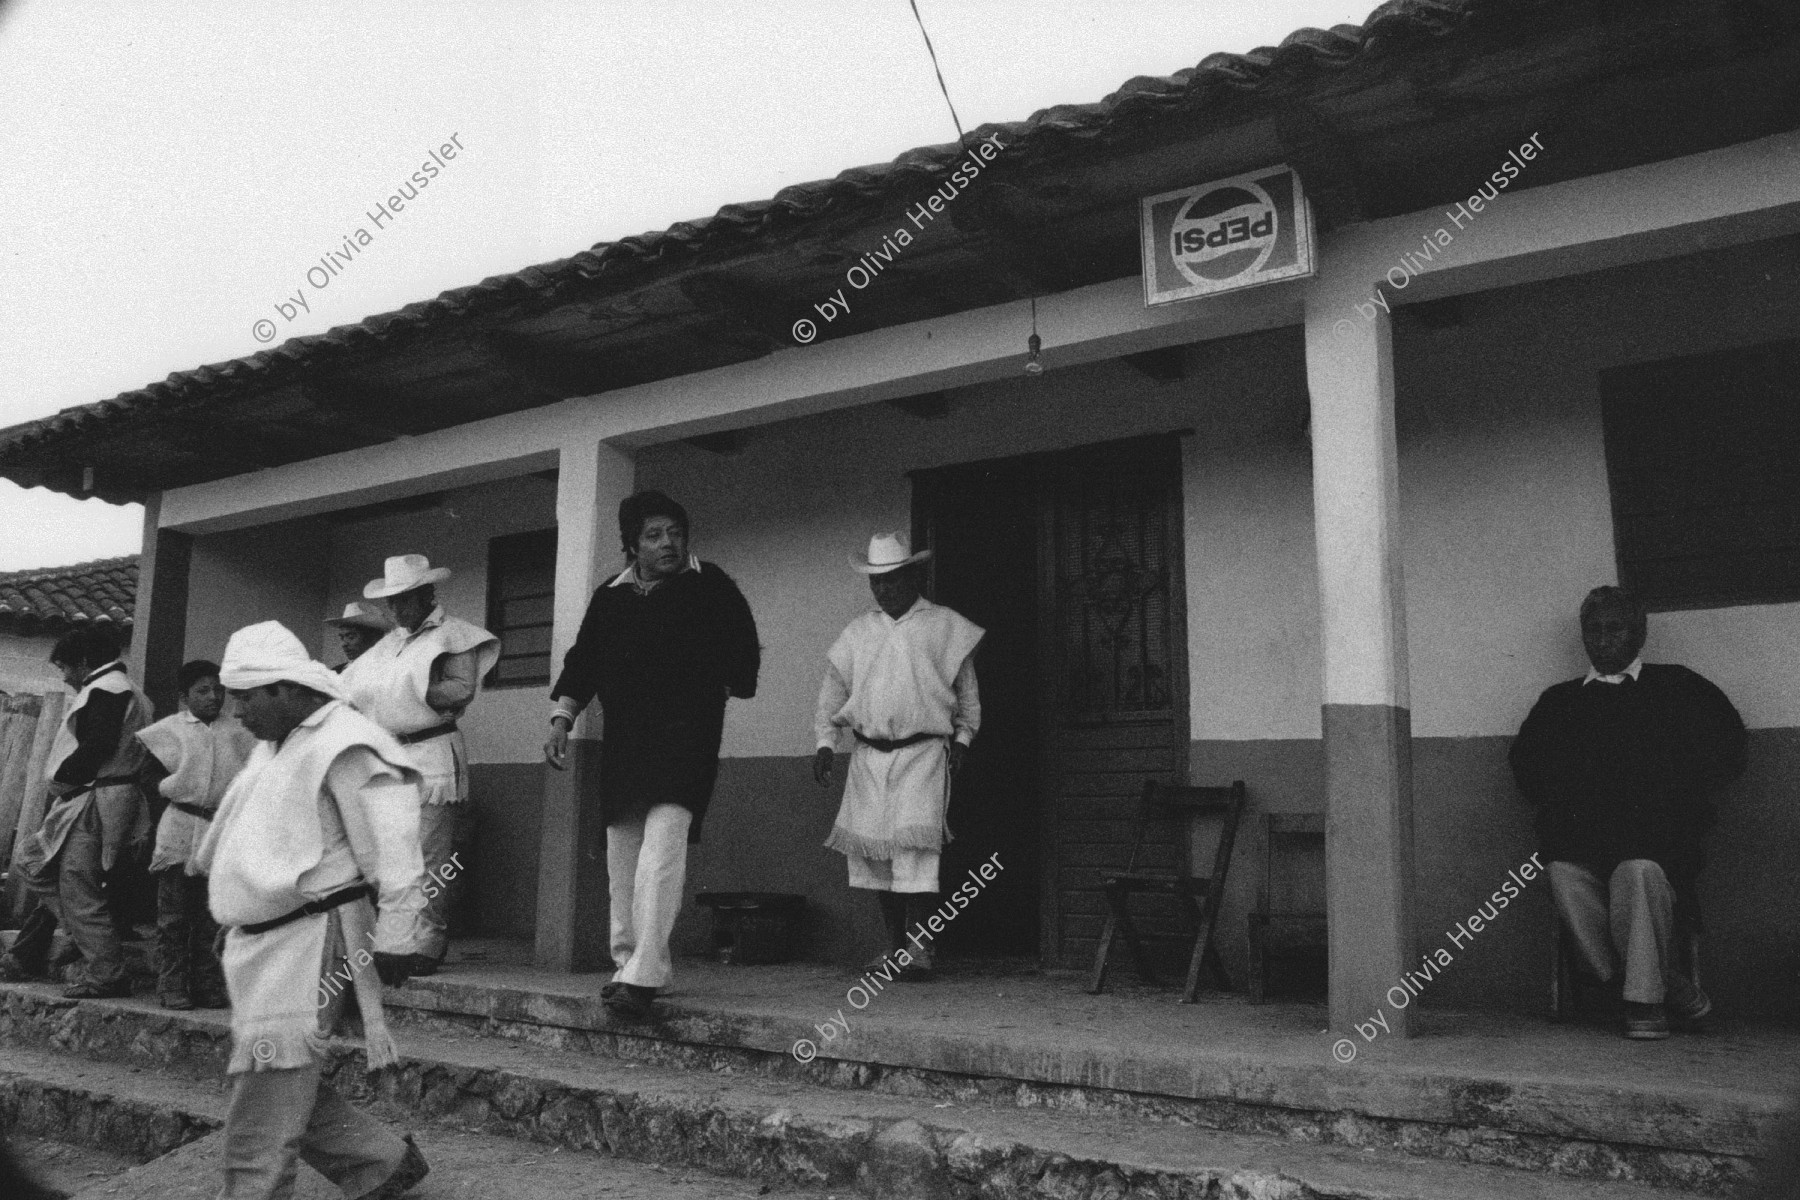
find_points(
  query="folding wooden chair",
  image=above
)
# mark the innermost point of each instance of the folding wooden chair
(1289, 921)
(1207, 817)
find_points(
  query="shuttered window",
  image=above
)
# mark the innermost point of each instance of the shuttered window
(521, 598)
(1703, 454)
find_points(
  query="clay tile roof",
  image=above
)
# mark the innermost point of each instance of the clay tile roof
(1218, 77)
(53, 600)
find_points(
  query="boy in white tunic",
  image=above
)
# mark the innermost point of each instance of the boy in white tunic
(322, 819)
(415, 683)
(901, 679)
(194, 756)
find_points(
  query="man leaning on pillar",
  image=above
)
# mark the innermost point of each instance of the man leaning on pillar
(416, 682)
(1620, 764)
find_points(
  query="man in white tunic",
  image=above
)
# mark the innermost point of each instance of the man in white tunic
(901, 679)
(415, 683)
(362, 625)
(322, 819)
(94, 811)
(193, 757)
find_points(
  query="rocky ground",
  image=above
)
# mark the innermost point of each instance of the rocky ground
(464, 1166)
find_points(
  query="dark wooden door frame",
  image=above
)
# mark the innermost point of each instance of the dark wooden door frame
(1164, 450)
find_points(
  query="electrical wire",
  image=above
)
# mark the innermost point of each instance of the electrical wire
(961, 137)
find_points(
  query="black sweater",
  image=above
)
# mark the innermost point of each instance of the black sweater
(98, 724)
(660, 665)
(1622, 771)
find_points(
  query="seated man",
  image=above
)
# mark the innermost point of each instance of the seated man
(1619, 765)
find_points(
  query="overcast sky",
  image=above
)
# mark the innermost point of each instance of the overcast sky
(170, 171)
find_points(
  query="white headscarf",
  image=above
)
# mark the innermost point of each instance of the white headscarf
(267, 652)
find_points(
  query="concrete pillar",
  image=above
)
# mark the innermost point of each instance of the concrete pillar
(592, 478)
(1367, 723)
(159, 622)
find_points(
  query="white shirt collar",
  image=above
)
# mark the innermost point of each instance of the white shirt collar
(117, 664)
(629, 574)
(432, 621)
(1637, 664)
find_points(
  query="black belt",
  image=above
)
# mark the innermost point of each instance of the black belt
(192, 810)
(313, 908)
(887, 747)
(96, 784)
(425, 735)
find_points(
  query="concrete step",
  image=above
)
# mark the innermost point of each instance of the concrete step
(151, 1137)
(749, 1125)
(1483, 1089)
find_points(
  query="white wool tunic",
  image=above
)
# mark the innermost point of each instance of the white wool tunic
(334, 805)
(389, 682)
(202, 759)
(892, 679)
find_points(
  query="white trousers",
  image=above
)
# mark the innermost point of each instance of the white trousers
(646, 867)
(443, 831)
(907, 871)
(1627, 920)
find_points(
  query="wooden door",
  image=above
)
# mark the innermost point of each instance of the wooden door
(1113, 658)
(980, 520)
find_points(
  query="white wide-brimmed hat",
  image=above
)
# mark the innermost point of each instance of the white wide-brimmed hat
(888, 552)
(403, 573)
(364, 616)
(268, 652)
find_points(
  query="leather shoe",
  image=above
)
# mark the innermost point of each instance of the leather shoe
(406, 1176)
(1646, 1022)
(14, 971)
(631, 1002)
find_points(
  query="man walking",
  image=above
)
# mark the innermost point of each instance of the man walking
(901, 679)
(322, 819)
(661, 648)
(415, 683)
(94, 811)
(193, 757)
(1619, 764)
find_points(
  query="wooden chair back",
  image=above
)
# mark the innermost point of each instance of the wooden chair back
(1205, 820)
(1293, 874)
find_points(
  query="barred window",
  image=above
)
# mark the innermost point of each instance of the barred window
(1703, 454)
(521, 599)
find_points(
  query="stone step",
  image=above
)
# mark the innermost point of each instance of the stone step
(1577, 1102)
(748, 1125)
(167, 1127)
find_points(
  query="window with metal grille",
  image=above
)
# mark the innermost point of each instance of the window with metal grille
(1703, 454)
(521, 598)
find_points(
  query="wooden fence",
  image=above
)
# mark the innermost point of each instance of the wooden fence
(28, 724)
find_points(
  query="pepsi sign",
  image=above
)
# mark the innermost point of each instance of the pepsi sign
(1229, 234)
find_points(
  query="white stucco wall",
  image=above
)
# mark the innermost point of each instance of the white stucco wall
(1504, 507)
(269, 573)
(782, 514)
(1506, 512)
(25, 665)
(1506, 515)
(504, 724)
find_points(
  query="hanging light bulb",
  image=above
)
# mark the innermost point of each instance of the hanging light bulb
(1034, 344)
